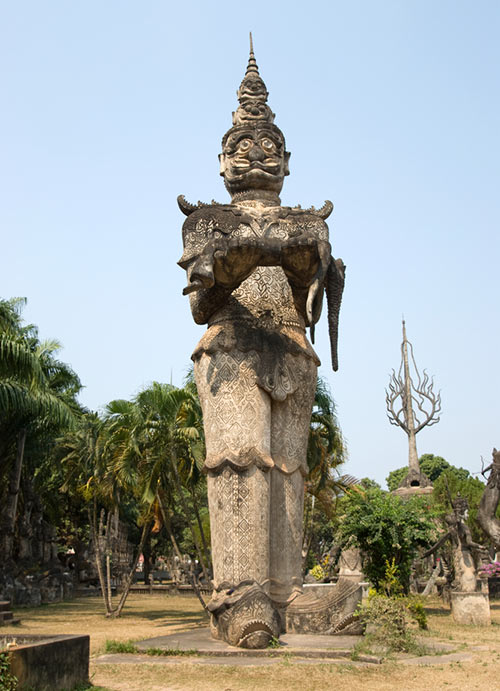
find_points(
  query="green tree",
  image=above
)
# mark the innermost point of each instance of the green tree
(385, 528)
(326, 453)
(37, 401)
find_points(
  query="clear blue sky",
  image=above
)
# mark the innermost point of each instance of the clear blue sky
(390, 109)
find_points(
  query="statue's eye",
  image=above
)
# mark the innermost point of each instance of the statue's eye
(268, 145)
(244, 145)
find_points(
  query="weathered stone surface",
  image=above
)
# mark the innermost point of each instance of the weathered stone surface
(351, 564)
(244, 616)
(35, 588)
(326, 611)
(413, 491)
(49, 663)
(256, 274)
(468, 556)
(487, 514)
(471, 608)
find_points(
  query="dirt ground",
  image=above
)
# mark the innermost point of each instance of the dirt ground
(147, 615)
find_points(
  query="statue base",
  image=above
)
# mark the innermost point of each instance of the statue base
(328, 609)
(415, 483)
(244, 616)
(470, 609)
(407, 492)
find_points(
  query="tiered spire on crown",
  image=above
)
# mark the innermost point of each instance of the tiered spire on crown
(252, 96)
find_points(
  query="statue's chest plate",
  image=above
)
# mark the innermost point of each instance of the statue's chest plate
(265, 295)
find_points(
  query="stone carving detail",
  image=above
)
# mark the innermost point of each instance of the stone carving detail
(256, 273)
(244, 616)
(351, 564)
(469, 594)
(329, 610)
(490, 500)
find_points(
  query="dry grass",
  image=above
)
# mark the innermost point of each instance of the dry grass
(146, 616)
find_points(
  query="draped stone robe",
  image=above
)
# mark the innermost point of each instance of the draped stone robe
(256, 376)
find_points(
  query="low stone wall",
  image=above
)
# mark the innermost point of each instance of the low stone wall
(49, 663)
(31, 590)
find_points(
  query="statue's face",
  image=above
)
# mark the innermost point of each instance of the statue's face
(254, 159)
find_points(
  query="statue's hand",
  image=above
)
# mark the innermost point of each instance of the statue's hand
(235, 263)
(300, 259)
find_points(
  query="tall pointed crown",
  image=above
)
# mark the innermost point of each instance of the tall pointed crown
(252, 96)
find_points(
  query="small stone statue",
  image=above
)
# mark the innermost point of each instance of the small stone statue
(467, 554)
(256, 275)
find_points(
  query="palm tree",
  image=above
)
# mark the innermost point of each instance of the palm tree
(172, 452)
(326, 452)
(37, 392)
(151, 449)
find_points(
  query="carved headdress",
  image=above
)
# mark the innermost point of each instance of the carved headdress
(252, 96)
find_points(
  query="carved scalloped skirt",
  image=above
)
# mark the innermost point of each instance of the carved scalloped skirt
(256, 463)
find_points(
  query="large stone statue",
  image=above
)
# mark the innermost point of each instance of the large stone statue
(488, 506)
(469, 593)
(256, 275)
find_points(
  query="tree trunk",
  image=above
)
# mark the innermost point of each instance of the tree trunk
(146, 552)
(96, 530)
(168, 527)
(202, 533)
(9, 512)
(308, 530)
(130, 577)
(108, 552)
(186, 513)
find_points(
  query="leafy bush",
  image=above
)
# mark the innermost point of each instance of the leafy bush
(8, 681)
(416, 609)
(317, 572)
(388, 530)
(387, 620)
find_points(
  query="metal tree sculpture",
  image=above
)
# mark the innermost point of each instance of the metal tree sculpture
(412, 406)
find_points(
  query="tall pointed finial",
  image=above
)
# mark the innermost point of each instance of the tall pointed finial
(252, 64)
(252, 95)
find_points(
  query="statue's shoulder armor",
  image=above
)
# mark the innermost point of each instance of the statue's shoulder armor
(309, 220)
(321, 213)
(205, 222)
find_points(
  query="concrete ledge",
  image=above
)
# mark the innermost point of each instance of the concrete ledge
(49, 663)
(309, 646)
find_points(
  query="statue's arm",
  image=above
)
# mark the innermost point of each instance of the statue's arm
(490, 501)
(438, 544)
(220, 267)
(205, 302)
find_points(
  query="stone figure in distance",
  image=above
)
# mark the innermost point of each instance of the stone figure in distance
(256, 275)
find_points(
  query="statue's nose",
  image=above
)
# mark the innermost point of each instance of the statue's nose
(256, 153)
